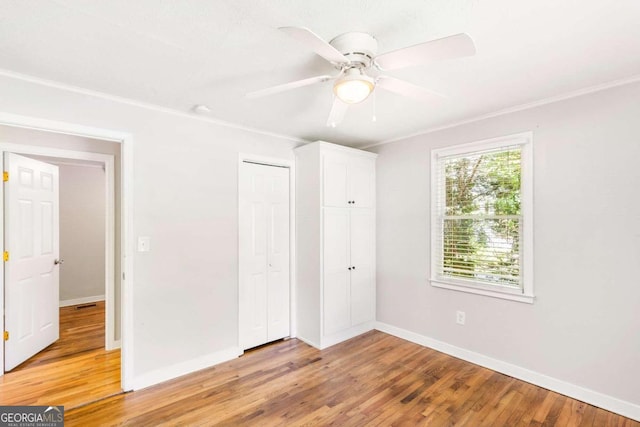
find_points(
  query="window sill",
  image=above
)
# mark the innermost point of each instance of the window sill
(486, 292)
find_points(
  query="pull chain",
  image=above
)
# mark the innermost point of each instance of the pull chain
(373, 119)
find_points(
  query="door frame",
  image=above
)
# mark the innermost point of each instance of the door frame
(126, 223)
(107, 161)
(290, 164)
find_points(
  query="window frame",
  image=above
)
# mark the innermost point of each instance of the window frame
(525, 293)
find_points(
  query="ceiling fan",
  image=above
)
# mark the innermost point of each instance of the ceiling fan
(355, 56)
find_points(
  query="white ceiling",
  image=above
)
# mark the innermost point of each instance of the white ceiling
(179, 53)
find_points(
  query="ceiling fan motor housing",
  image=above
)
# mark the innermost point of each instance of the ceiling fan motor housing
(359, 48)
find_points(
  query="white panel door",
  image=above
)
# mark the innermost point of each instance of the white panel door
(361, 182)
(334, 180)
(362, 254)
(31, 273)
(336, 269)
(278, 301)
(264, 254)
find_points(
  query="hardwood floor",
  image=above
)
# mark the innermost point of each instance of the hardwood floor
(374, 379)
(81, 329)
(73, 371)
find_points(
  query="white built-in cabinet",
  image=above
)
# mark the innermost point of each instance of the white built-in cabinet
(335, 232)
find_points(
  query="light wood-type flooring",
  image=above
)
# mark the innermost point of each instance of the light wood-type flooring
(72, 371)
(374, 379)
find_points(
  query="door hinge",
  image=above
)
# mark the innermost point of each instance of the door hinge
(5, 256)
(5, 176)
(6, 335)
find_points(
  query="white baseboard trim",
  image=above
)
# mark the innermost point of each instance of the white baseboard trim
(338, 337)
(184, 368)
(627, 409)
(310, 342)
(85, 300)
(354, 331)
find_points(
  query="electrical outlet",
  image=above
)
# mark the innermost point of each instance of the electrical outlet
(460, 317)
(144, 244)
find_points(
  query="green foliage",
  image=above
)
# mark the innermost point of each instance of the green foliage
(479, 242)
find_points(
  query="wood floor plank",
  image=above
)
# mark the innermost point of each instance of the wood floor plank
(71, 372)
(374, 379)
(81, 329)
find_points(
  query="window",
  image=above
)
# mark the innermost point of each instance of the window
(481, 230)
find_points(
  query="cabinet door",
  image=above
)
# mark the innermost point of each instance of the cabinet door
(362, 242)
(361, 179)
(334, 179)
(336, 307)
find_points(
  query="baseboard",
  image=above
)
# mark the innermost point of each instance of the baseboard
(85, 300)
(338, 337)
(627, 409)
(354, 331)
(184, 368)
(307, 341)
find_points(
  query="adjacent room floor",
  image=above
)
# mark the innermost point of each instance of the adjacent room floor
(75, 370)
(374, 379)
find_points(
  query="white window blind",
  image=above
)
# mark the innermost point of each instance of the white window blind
(477, 227)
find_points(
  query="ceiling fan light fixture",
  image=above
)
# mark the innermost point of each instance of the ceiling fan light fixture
(353, 87)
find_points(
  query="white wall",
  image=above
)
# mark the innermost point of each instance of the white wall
(584, 326)
(82, 232)
(185, 297)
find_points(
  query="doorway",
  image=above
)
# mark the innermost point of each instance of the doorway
(117, 225)
(77, 259)
(265, 224)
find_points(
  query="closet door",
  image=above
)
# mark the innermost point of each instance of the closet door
(362, 242)
(361, 181)
(336, 307)
(278, 254)
(263, 254)
(334, 179)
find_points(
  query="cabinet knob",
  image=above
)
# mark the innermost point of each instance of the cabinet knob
(348, 268)
(353, 268)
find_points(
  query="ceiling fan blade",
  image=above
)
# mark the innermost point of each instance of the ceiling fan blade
(405, 88)
(338, 110)
(288, 86)
(455, 46)
(318, 45)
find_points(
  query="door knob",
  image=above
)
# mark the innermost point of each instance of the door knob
(58, 261)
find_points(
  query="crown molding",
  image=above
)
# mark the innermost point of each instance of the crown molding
(166, 110)
(516, 108)
(140, 104)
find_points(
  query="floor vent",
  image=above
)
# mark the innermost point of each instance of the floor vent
(78, 307)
